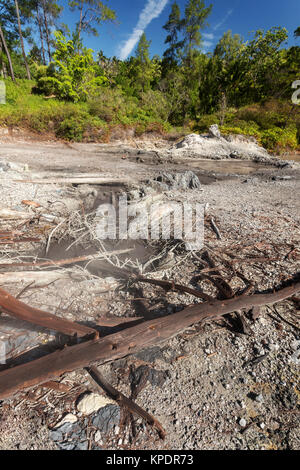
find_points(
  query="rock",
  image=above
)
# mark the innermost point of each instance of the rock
(214, 131)
(82, 446)
(243, 423)
(4, 166)
(69, 418)
(186, 180)
(97, 437)
(66, 445)
(92, 402)
(259, 398)
(18, 167)
(295, 345)
(58, 433)
(107, 418)
(189, 141)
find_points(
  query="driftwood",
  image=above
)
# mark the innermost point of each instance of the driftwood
(101, 180)
(18, 309)
(128, 341)
(10, 214)
(38, 277)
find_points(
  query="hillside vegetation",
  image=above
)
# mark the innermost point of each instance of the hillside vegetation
(78, 94)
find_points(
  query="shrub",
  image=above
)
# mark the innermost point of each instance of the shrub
(74, 127)
(206, 121)
(276, 138)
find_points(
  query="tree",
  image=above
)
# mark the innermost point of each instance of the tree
(71, 76)
(4, 44)
(297, 32)
(144, 70)
(173, 27)
(51, 12)
(21, 39)
(196, 15)
(229, 47)
(91, 13)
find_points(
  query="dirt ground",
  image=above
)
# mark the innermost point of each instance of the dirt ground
(218, 385)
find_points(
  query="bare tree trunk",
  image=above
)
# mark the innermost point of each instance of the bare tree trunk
(2, 38)
(47, 30)
(39, 21)
(21, 40)
(80, 21)
(1, 62)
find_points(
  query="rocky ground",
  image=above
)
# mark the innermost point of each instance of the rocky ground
(221, 385)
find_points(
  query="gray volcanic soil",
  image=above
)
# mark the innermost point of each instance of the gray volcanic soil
(201, 385)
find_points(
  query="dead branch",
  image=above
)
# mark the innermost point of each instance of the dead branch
(175, 287)
(128, 341)
(18, 309)
(124, 401)
(39, 277)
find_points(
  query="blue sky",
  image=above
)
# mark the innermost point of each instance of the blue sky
(134, 16)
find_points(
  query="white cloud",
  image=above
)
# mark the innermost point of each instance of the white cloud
(208, 36)
(229, 13)
(152, 10)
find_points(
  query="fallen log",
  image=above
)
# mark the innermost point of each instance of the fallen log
(78, 180)
(18, 309)
(129, 341)
(38, 277)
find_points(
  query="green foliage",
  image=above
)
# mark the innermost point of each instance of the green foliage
(91, 13)
(276, 138)
(206, 121)
(114, 107)
(72, 76)
(76, 96)
(173, 27)
(78, 125)
(196, 14)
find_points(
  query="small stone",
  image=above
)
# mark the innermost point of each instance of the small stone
(295, 345)
(243, 423)
(92, 402)
(259, 398)
(262, 425)
(97, 437)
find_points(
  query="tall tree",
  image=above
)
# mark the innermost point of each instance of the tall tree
(92, 13)
(39, 22)
(173, 27)
(196, 14)
(143, 69)
(4, 44)
(297, 32)
(21, 39)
